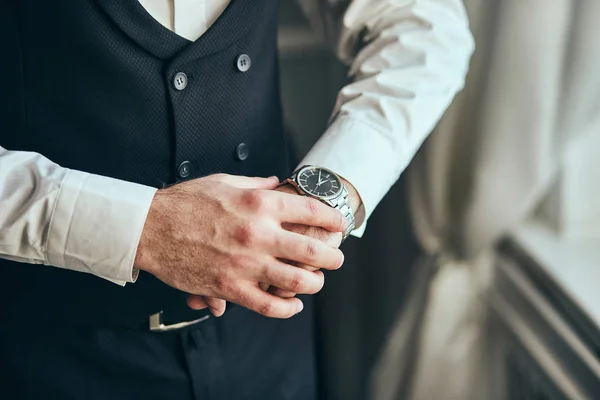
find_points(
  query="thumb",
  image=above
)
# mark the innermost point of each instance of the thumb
(217, 306)
(247, 182)
(196, 302)
(199, 302)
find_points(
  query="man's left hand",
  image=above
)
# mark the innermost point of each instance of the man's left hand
(333, 239)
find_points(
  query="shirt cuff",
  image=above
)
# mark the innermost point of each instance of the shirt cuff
(97, 224)
(360, 154)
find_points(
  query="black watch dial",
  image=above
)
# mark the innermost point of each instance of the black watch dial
(319, 182)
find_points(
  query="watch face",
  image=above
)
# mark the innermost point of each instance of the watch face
(319, 182)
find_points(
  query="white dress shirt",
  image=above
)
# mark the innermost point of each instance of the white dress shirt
(408, 59)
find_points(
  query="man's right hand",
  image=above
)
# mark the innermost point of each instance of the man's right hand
(220, 235)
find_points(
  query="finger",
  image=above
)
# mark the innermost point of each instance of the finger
(300, 265)
(284, 294)
(199, 302)
(246, 182)
(217, 306)
(292, 279)
(307, 211)
(306, 250)
(251, 297)
(333, 239)
(196, 302)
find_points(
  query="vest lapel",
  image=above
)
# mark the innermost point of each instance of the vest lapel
(237, 19)
(133, 19)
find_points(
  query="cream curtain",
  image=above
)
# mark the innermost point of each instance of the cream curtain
(534, 83)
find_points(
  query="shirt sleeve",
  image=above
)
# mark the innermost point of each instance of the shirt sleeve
(408, 59)
(69, 219)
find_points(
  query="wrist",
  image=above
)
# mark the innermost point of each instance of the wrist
(144, 259)
(142, 255)
(141, 261)
(353, 200)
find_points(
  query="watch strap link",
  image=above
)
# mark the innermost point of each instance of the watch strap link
(342, 204)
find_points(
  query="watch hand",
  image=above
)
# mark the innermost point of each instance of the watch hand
(321, 181)
(319, 177)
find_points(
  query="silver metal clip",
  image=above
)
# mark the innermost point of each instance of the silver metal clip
(156, 324)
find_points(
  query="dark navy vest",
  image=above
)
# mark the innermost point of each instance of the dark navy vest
(93, 85)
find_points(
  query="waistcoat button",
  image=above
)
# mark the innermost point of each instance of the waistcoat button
(180, 81)
(242, 151)
(243, 62)
(185, 169)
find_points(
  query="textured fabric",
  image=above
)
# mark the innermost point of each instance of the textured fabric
(225, 358)
(136, 127)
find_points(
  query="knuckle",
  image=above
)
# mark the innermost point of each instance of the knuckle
(223, 284)
(247, 234)
(267, 308)
(254, 200)
(297, 283)
(312, 207)
(310, 251)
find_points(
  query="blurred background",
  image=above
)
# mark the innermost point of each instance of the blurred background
(477, 276)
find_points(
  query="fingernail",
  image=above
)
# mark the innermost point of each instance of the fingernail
(300, 308)
(343, 258)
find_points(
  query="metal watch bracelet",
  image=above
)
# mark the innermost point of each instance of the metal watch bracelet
(341, 203)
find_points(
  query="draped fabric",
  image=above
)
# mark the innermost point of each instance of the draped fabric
(533, 86)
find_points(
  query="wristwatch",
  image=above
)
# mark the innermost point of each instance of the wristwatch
(326, 186)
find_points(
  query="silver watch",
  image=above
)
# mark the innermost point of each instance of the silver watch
(326, 186)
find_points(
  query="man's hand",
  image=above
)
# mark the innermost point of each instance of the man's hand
(331, 238)
(220, 235)
(334, 239)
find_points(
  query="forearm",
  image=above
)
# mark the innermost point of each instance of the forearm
(407, 61)
(69, 219)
